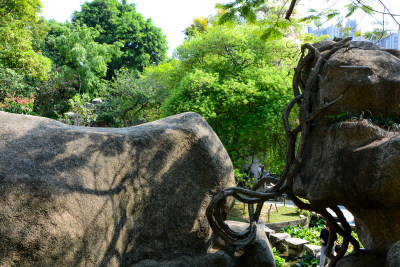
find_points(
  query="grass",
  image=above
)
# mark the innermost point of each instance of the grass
(284, 213)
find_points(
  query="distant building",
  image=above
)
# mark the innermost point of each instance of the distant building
(391, 41)
(333, 31)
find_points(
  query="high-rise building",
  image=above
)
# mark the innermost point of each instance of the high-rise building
(391, 41)
(333, 31)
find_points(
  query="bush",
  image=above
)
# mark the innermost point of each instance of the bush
(17, 104)
(309, 234)
(280, 262)
(85, 116)
(308, 261)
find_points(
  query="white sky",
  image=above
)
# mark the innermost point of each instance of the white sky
(173, 16)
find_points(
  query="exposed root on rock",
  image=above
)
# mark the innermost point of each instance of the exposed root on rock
(303, 89)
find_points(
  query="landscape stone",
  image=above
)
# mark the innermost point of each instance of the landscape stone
(219, 258)
(312, 250)
(258, 253)
(355, 163)
(362, 258)
(296, 243)
(393, 256)
(78, 196)
(268, 231)
(278, 238)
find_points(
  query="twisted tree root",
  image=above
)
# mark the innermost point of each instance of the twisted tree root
(308, 115)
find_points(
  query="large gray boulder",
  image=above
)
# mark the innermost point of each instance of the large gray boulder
(76, 196)
(355, 163)
(362, 258)
(393, 256)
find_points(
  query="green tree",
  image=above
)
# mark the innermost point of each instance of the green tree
(79, 56)
(132, 99)
(17, 18)
(199, 25)
(143, 43)
(240, 85)
(274, 15)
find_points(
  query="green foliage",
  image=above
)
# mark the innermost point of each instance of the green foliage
(199, 25)
(53, 94)
(270, 14)
(11, 82)
(279, 262)
(16, 93)
(79, 56)
(320, 18)
(317, 223)
(17, 19)
(132, 99)
(312, 233)
(17, 104)
(284, 213)
(243, 179)
(85, 116)
(309, 234)
(240, 85)
(375, 35)
(308, 261)
(143, 43)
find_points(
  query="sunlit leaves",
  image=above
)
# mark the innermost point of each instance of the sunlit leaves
(143, 43)
(199, 25)
(81, 55)
(16, 21)
(240, 84)
(351, 8)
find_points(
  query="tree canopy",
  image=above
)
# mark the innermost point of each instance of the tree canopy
(142, 42)
(240, 85)
(17, 18)
(76, 52)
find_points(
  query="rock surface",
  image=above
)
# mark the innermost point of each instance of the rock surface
(76, 196)
(296, 243)
(220, 259)
(361, 259)
(393, 256)
(313, 250)
(279, 237)
(367, 74)
(258, 254)
(355, 163)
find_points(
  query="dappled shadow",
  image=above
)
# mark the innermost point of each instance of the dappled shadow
(96, 196)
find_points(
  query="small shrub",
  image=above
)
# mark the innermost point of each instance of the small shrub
(309, 234)
(308, 261)
(279, 262)
(17, 104)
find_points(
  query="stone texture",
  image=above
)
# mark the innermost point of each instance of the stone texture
(76, 196)
(296, 243)
(369, 74)
(361, 258)
(211, 259)
(278, 237)
(312, 250)
(259, 253)
(268, 231)
(393, 256)
(355, 163)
